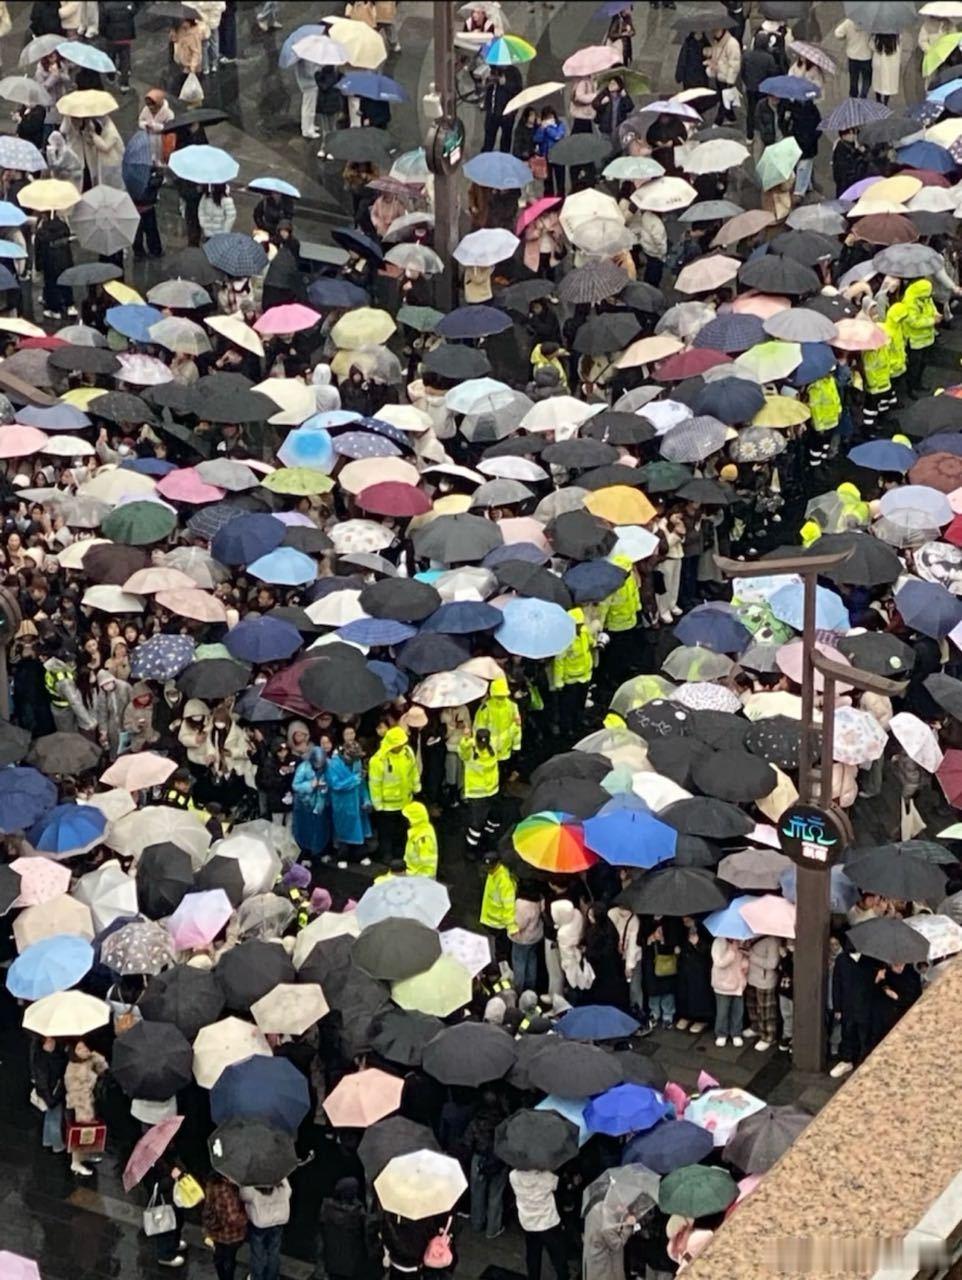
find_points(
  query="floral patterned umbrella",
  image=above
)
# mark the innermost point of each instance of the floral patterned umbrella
(859, 738)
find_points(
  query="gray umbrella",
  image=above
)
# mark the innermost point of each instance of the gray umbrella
(592, 283)
(761, 1139)
(105, 220)
(908, 261)
(883, 16)
(889, 940)
(228, 474)
(822, 218)
(798, 324)
(711, 211)
(500, 493)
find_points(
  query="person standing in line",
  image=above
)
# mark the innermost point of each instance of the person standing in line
(268, 1211)
(224, 1222)
(858, 51)
(538, 1217)
(886, 66)
(729, 976)
(118, 27)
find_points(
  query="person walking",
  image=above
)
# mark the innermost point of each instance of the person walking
(570, 674)
(886, 65)
(224, 1223)
(858, 51)
(268, 1211)
(118, 28)
(52, 255)
(421, 845)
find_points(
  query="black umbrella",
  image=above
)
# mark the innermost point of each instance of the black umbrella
(806, 247)
(533, 580)
(833, 307)
(313, 542)
(457, 362)
(610, 331)
(189, 998)
(14, 743)
(704, 19)
(593, 282)
(570, 1069)
(60, 754)
(674, 758)
(605, 477)
(228, 397)
(707, 492)
(429, 653)
(192, 264)
(469, 1053)
(659, 718)
(113, 564)
(326, 959)
(777, 739)
(296, 616)
(396, 949)
(121, 406)
(719, 729)
(674, 891)
(536, 1140)
(352, 992)
(572, 764)
(401, 1034)
(664, 476)
(164, 874)
(878, 652)
(616, 427)
(640, 1069)
(402, 599)
(931, 415)
(578, 796)
(195, 115)
(693, 851)
(578, 535)
(152, 1060)
(365, 145)
(579, 455)
(222, 873)
(251, 969)
(580, 149)
(522, 445)
(87, 273)
(390, 1137)
(84, 360)
(890, 940)
(764, 1137)
(737, 776)
(643, 297)
(460, 539)
(341, 685)
(930, 850)
(213, 679)
(871, 562)
(711, 819)
(252, 1153)
(946, 691)
(519, 296)
(902, 876)
(772, 273)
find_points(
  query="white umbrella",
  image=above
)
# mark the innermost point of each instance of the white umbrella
(473, 950)
(156, 824)
(714, 156)
(109, 892)
(420, 1184)
(105, 220)
(259, 864)
(664, 195)
(942, 934)
(59, 915)
(558, 413)
(220, 1044)
(66, 1013)
(917, 740)
(332, 924)
(337, 609)
(485, 248)
(290, 1009)
(113, 804)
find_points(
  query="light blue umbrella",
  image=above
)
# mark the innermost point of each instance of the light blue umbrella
(788, 606)
(883, 455)
(535, 629)
(842, 892)
(50, 965)
(943, 91)
(497, 169)
(11, 215)
(285, 567)
(404, 898)
(308, 447)
(370, 84)
(86, 55)
(203, 164)
(287, 57)
(274, 184)
(572, 1109)
(17, 153)
(133, 320)
(10, 250)
(728, 922)
(627, 837)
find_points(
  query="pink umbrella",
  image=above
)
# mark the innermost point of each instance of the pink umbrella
(187, 486)
(139, 772)
(523, 529)
(292, 317)
(588, 62)
(789, 660)
(363, 1098)
(763, 305)
(41, 880)
(20, 442)
(199, 918)
(194, 604)
(535, 210)
(148, 1151)
(770, 915)
(147, 582)
(14, 1266)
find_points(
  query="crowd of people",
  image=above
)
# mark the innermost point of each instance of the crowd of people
(394, 758)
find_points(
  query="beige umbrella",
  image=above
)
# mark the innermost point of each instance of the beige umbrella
(220, 1044)
(664, 195)
(48, 195)
(362, 327)
(187, 602)
(362, 1098)
(66, 1013)
(157, 823)
(742, 226)
(405, 417)
(332, 924)
(534, 93)
(83, 104)
(295, 400)
(147, 582)
(237, 331)
(367, 471)
(111, 485)
(705, 274)
(420, 1184)
(113, 804)
(648, 350)
(179, 334)
(290, 1009)
(365, 47)
(17, 324)
(111, 599)
(138, 771)
(589, 205)
(68, 447)
(72, 557)
(59, 915)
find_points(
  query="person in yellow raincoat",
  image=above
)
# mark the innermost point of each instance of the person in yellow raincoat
(393, 780)
(499, 714)
(898, 357)
(480, 782)
(918, 328)
(570, 675)
(421, 848)
(876, 371)
(498, 898)
(619, 619)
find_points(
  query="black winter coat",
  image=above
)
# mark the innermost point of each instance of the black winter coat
(498, 93)
(344, 1238)
(849, 164)
(757, 65)
(45, 18)
(51, 247)
(853, 987)
(612, 111)
(802, 120)
(118, 20)
(47, 1071)
(690, 70)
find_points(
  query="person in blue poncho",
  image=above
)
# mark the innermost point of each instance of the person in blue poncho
(311, 824)
(350, 800)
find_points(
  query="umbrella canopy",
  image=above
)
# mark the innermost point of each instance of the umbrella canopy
(420, 1184)
(396, 949)
(570, 1069)
(187, 997)
(250, 970)
(362, 1098)
(66, 1013)
(394, 1136)
(469, 1054)
(696, 1190)
(536, 1140)
(439, 990)
(149, 1149)
(252, 1153)
(49, 965)
(763, 1138)
(889, 940)
(903, 876)
(152, 1060)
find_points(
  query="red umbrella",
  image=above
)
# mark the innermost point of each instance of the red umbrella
(284, 689)
(950, 776)
(393, 498)
(46, 343)
(953, 533)
(149, 1150)
(689, 364)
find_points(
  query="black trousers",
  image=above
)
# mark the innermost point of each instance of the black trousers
(535, 1244)
(752, 99)
(56, 297)
(571, 710)
(389, 826)
(121, 56)
(916, 363)
(857, 1040)
(859, 77)
(148, 234)
(225, 1260)
(493, 125)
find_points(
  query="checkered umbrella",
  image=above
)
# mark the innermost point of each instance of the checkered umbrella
(235, 254)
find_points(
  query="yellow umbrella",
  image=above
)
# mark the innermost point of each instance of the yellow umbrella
(944, 133)
(80, 397)
(365, 47)
(237, 331)
(620, 504)
(66, 1013)
(367, 326)
(48, 195)
(900, 187)
(121, 292)
(366, 471)
(648, 350)
(298, 481)
(16, 324)
(533, 93)
(449, 504)
(440, 990)
(781, 411)
(84, 103)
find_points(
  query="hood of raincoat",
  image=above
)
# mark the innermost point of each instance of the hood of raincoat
(394, 738)
(918, 292)
(576, 615)
(416, 813)
(622, 561)
(499, 688)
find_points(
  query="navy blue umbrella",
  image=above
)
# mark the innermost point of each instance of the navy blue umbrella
(269, 1089)
(235, 254)
(730, 400)
(250, 706)
(926, 155)
(928, 608)
(396, 682)
(376, 632)
(156, 467)
(263, 640)
(462, 618)
(593, 580)
(246, 538)
(714, 629)
(596, 1022)
(818, 359)
(25, 796)
(427, 654)
(941, 442)
(790, 88)
(477, 321)
(161, 657)
(669, 1145)
(209, 521)
(529, 552)
(357, 242)
(336, 293)
(731, 333)
(137, 164)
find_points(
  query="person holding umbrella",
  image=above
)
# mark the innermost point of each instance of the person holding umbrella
(52, 256)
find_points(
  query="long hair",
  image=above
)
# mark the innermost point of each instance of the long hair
(886, 43)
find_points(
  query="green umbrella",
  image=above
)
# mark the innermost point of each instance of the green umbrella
(777, 163)
(696, 1190)
(635, 82)
(422, 319)
(664, 477)
(769, 361)
(139, 523)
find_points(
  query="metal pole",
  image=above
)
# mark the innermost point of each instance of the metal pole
(808, 689)
(446, 185)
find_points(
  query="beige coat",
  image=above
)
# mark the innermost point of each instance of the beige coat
(724, 59)
(79, 1081)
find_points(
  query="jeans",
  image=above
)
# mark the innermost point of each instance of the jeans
(265, 1247)
(803, 175)
(729, 1014)
(859, 77)
(487, 1197)
(535, 1242)
(524, 965)
(662, 1008)
(210, 55)
(53, 1128)
(786, 1007)
(121, 56)
(225, 1260)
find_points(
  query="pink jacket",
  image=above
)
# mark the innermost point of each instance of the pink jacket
(729, 968)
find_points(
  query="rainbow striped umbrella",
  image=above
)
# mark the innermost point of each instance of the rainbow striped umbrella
(505, 51)
(553, 841)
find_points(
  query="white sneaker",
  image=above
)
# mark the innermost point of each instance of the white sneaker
(682, 1024)
(666, 617)
(365, 862)
(313, 134)
(737, 1041)
(81, 1170)
(762, 1045)
(174, 1262)
(721, 1041)
(749, 1033)
(696, 1028)
(342, 866)
(841, 1069)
